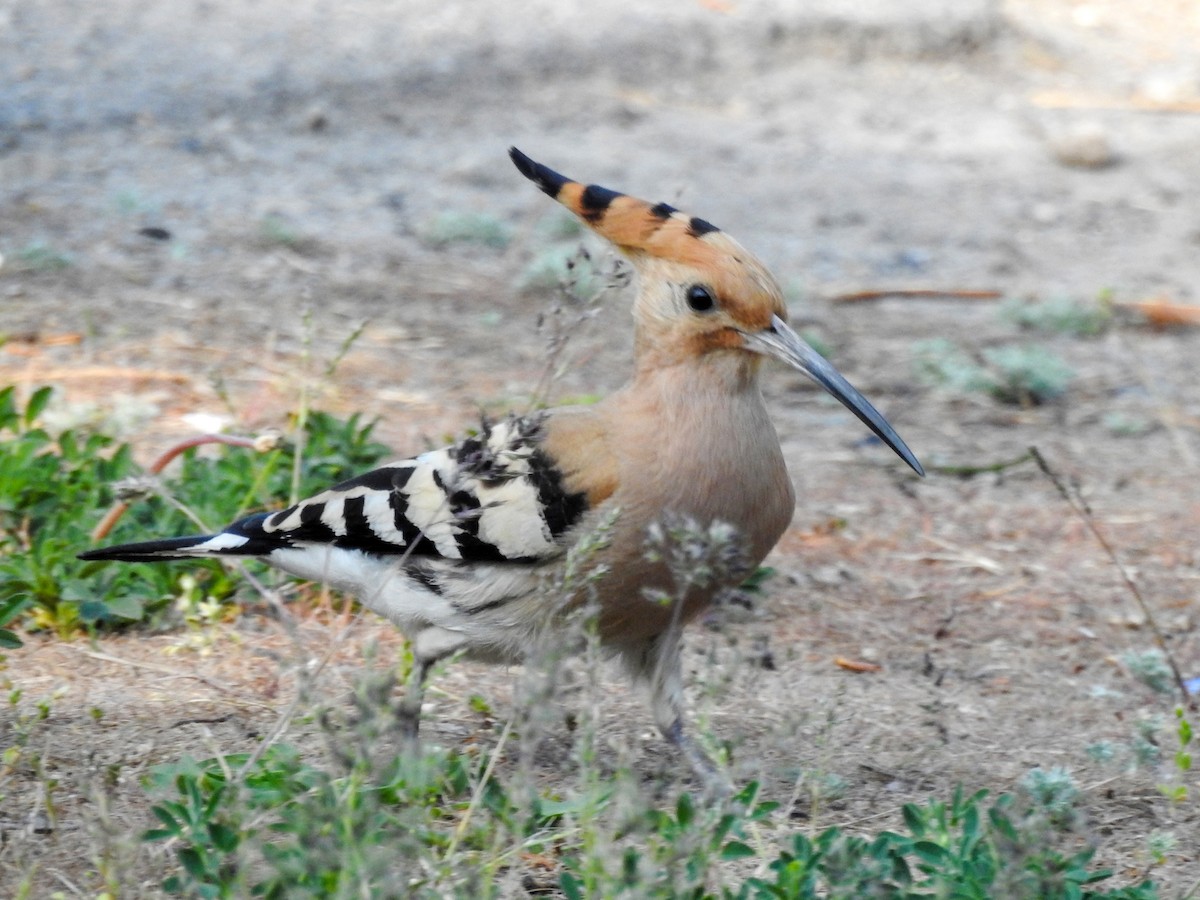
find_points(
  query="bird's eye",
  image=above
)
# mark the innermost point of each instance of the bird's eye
(700, 299)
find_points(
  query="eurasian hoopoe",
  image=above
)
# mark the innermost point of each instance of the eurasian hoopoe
(464, 548)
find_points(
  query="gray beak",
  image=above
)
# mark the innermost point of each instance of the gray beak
(782, 343)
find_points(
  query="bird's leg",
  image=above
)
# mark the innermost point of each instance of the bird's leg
(663, 667)
(428, 647)
(414, 697)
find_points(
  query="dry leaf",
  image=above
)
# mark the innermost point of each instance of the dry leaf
(856, 665)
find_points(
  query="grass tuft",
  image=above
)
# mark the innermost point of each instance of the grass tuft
(1024, 375)
(451, 227)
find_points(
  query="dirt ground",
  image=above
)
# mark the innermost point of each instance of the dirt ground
(297, 157)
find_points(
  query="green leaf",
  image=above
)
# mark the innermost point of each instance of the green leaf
(92, 611)
(685, 810)
(7, 408)
(36, 404)
(223, 837)
(932, 853)
(571, 887)
(125, 607)
(913, 819)
(193, 862)
(164, 816)
(737, 850)
(8, 640)
(1176, 793)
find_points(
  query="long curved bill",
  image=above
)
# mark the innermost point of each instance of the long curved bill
(780, 342)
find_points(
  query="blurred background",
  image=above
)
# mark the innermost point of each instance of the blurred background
(180, 178)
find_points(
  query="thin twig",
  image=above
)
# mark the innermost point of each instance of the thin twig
(917, 293)
(981, 469)
(344, 348)
(302, 411)
(560, 330)
(1081, 510)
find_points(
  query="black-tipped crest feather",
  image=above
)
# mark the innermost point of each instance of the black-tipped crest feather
(549, 181)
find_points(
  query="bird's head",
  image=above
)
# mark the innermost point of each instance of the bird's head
(700, 291)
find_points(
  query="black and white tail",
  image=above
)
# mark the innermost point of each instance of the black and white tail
(243, 538)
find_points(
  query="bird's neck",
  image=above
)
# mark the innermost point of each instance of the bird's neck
(697, 439)
(702, 412)
(714, 378)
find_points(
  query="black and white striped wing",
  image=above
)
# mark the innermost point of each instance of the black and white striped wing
(492, 498)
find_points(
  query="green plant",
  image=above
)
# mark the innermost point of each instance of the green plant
(941, 363)
(1053, 792)
(959, 849)
(1026, 374)
(568, 266)
(11, 609)
(1011, 374)
(47, 486)
(41, 257)
(1160, 845)
(1060, 315)
(52, 487)
(363, 820)
(1146, 751)
(665, 853)
(275, 229)
(1151, 668)
(1182, 758)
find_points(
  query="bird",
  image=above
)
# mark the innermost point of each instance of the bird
(487, 547)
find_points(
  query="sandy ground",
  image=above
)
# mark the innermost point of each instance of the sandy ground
(299, 155)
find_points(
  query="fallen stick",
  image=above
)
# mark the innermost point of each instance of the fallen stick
(118, 509)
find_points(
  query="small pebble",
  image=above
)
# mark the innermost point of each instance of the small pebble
(1084, 146)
